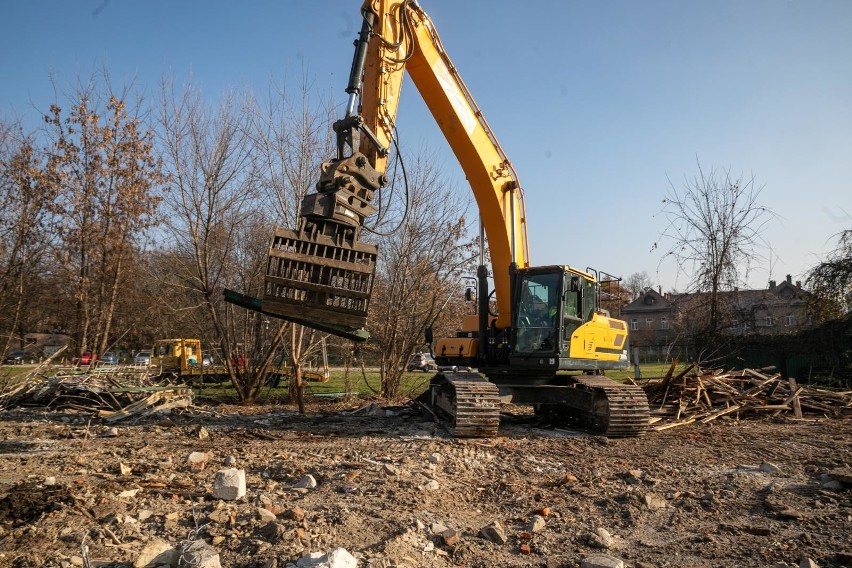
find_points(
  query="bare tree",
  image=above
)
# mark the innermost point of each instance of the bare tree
(714, 227)
(419, 269)
(637, 283)
(830, 281)
(292, 135)
(214, 206)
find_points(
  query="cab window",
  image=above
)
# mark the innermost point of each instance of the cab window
(589, 301)
(536, 322)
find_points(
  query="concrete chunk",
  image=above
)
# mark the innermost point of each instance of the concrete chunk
(307, 482)
(601, 561)
(337, 558)
(230, 484)
(199, 554)
(494, 532)
(156, 553)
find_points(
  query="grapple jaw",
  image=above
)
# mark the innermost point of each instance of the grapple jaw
(321, 274)
(318, 277)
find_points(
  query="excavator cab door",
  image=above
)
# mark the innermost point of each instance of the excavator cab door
(572, 309)
(536, 321)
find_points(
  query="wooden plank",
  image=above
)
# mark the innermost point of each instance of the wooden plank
(668, 383)
(722, 412)
(673, 425)
(759, 387)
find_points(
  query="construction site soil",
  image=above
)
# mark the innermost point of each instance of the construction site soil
(394, 489)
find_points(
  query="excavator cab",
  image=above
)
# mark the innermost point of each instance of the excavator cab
(558, 324)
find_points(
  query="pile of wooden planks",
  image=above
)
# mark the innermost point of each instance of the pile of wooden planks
(705, 395)
(114, 392)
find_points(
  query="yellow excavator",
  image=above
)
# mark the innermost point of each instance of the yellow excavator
(548, 318)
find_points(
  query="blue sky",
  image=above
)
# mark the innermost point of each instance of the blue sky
(597, 103)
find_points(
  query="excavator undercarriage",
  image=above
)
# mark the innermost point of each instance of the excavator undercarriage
(470, 405)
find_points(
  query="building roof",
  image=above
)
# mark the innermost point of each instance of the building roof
(648, 301)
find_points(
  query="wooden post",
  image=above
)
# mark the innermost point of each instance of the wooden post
(797, 406)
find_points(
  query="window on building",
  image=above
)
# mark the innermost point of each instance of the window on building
(664, 323)
(790, 320)
(634, 324)
(769, 321)
(649, 323)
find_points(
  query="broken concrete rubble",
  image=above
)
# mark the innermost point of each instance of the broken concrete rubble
(337, 558)
(307, 482)
(391, 521)
(156, 553)
(601, 561)
(229, 484)
(494, 532)
(198, 554)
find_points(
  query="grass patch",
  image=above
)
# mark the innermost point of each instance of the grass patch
(366, 385)
(649, 371)
(11, 375)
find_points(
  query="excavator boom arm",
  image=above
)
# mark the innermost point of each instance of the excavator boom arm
(404, 39)
(323, 271)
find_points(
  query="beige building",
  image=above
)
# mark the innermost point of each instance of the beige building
(657, 321)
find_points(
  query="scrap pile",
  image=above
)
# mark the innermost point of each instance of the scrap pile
(114, 393)
(705, 395)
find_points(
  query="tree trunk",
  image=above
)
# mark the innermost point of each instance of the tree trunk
(110, 310)
(300, 388)
(17, 317)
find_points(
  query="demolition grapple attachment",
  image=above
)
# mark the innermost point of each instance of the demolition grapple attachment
(321, 274)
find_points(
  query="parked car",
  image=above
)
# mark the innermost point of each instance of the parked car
(422, 362)
(88, 358)
(14, 358)
(142, 358)
(109, 358)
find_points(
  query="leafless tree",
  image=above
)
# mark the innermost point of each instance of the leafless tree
(213, 209)
(714, 227)
(419, 269)
(637, 283)
(291, 133)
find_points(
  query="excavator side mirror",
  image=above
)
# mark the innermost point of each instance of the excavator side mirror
(429, 336)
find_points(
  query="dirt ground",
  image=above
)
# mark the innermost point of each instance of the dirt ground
(396, 490)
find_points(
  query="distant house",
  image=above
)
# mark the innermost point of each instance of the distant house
(650, 319)
(656, 321)
(781, 309)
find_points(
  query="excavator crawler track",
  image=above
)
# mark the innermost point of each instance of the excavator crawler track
(618, 410)
(469, 404)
